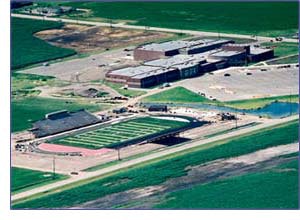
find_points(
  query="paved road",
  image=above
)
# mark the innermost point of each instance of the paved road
(139, 160)
(199, 33)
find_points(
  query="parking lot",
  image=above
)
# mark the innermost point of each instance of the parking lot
(246, 83)
(85, 69)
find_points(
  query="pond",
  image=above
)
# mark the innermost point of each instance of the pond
(272, 110)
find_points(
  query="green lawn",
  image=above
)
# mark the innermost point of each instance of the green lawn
(160, 170)
(125, 92)
(112, 136)
(282, 49)
(27, 49)
(30, 109)
(25, 179)
(257, 18)
(290, 59)
(183, 95)
(176, 95)
(260, 102)
(276, 188)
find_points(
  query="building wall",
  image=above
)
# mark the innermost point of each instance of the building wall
(234, 60)
(262, 56)
(189, 72)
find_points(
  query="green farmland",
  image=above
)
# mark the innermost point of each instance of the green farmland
(27, 49)
(276, 188)
(254, 18)
(24, 179)
(158, 171)
(116, 134)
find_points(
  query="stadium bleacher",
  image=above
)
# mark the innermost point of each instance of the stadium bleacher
(61, 121)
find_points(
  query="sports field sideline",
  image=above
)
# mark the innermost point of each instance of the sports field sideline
(113, 135)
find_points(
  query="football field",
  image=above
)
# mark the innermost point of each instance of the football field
(116, 134)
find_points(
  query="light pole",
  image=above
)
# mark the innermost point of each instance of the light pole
(53, 166)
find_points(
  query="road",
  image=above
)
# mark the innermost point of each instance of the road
(120, 25)
(168, 151)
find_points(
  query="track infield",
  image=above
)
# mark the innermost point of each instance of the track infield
(123, 133)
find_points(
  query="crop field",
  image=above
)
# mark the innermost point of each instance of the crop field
(27, 49)
(30, 109)
(276, 188)
(24, 179)
(255, 18)
(122, 132)
(158, 171)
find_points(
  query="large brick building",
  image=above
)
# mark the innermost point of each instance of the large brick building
(160, 50)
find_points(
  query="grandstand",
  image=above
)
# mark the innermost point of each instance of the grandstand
(62, 121)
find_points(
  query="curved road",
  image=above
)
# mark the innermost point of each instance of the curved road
(168, 151)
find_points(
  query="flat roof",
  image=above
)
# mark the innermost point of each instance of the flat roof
(152, 73)
(132, 71)
(166, 46)
(175, 60)
(208, 42)
(225, 53)
(179, 44)
(259, 50)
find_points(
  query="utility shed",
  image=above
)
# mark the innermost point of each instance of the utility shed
(62, 121)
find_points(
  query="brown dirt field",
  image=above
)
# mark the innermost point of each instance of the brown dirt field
(83, 38)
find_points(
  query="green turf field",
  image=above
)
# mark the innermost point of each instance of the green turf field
(113, 135)
(30, 109)
(24, 179)
(276, 188)
(172, 166)
(27, 49)
(255, 18)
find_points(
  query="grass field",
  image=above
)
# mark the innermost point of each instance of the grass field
(131, 93)
(183, 95)
(119, 133)
(282, 49)
(260, 102)
(176, 95)
(255, 18)
(284, 60)
(25, 179)
(27, 49)
(276, 188)
(30, 109)
(158, 171)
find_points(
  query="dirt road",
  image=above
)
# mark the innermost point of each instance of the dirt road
(156, 155)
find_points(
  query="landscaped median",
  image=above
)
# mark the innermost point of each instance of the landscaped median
(161, 169)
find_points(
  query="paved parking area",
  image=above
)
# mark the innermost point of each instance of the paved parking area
(86, 69)
(239, 85)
